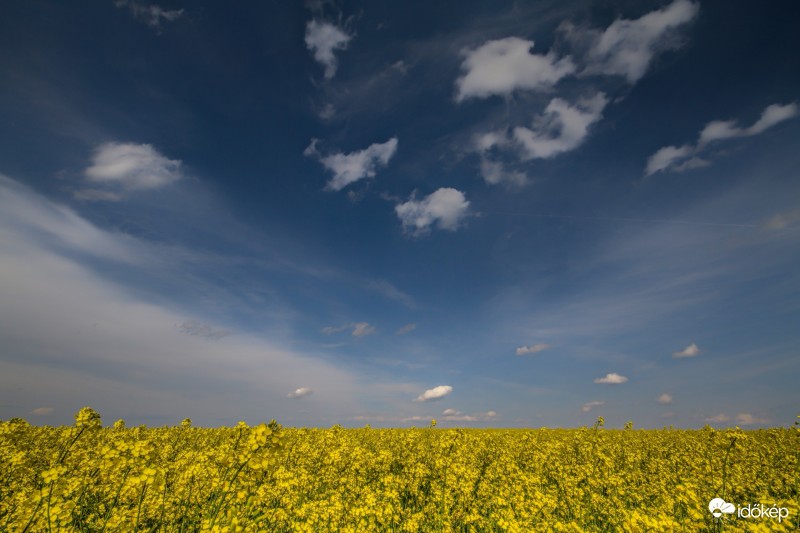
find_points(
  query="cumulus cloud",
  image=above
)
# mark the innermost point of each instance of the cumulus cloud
(561, 128)
(42, 411)
(665, 399)
(152, 14)
(628, 47)
(203, 330)
(536, 348)
(588, 406)
(503, 66)
(746, 419)
(690, 351)
(688, 156)
(718, 419)
(129, 167)
(299, 393)
(323, 39)
(611, 379)
(352, 167)
(358, 329)
(446, 208)
(435, 393)
(406, 329)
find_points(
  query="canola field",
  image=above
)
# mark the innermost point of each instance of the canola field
(266, 478)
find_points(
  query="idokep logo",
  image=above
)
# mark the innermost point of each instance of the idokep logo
(719, 507)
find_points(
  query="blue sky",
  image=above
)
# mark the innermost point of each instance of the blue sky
(516, 214)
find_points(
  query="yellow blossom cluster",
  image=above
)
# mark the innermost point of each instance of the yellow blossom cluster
(267, 478)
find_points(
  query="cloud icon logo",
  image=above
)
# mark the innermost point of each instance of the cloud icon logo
(718, 507)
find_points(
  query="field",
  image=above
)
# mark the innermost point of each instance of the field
(267, 478)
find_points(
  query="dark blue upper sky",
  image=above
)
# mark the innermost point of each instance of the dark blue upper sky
(504, 214)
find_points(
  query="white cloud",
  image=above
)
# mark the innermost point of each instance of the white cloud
(299, 393)
(152, 14)
(627, 47)
(435, 393)
(445, 207)
(453, 415)
(719, 130)
(746, 419)
(42, 411)
(665, 399)
(503, 66)
(406, 329)
(129, 167)
(588, 406)
(536, 348)
(667, 157)
(719, 419)
(679, 159)
(561, 128)
(690, 351)
(349, 168)
(323, 39)
(611, 379)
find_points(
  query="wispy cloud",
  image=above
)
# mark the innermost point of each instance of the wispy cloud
(104, 338)
(323, 39)
(718, 419)
(388, 290)
(536, 348)
(445, 208)
(746, 419)
(435, 393)
(357, 329)
(690, 351)
(151, 14)
(203, 330)
(43, 411)
(124, 167)
(355, 166)
(406, 329)
(611, 379)
(665, 399)
(688, 156)
(627, 47)
(588, 406)
(503, 66)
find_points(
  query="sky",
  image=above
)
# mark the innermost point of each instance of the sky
(505, 214)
